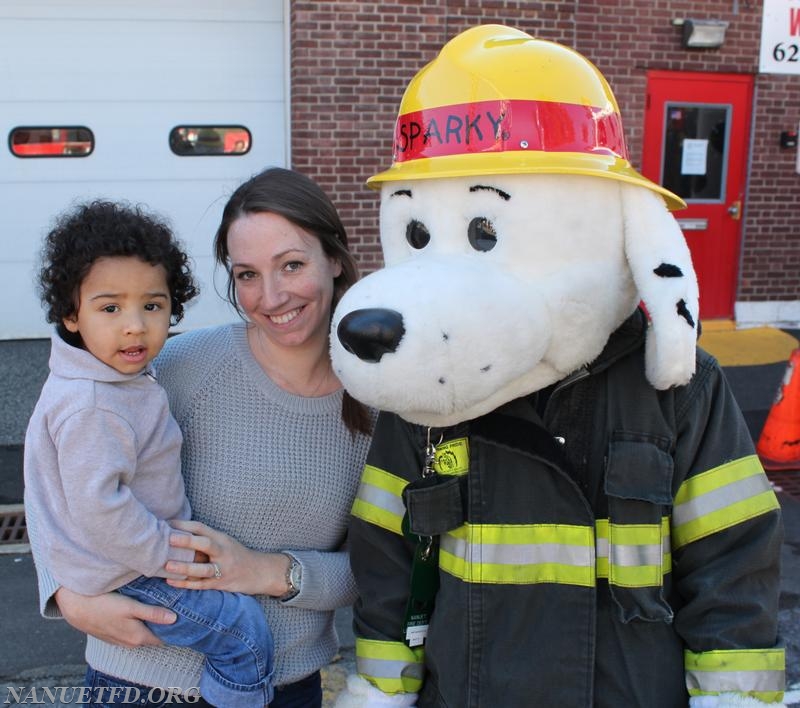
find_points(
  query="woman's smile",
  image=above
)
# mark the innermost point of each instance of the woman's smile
(286, 317)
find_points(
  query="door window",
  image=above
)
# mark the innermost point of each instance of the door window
(695, 151)
(187, 140)
(41, 141)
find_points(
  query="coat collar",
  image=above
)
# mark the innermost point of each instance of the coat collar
(627, 338)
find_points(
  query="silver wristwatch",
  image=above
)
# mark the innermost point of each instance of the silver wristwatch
(294, 576)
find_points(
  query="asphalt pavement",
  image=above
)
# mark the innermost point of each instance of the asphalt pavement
(38, 653)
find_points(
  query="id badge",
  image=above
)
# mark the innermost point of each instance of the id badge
(424, 586)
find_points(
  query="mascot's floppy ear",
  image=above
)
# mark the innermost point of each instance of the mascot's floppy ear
(662, 270)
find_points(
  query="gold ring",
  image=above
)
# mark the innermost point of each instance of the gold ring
(217, 571)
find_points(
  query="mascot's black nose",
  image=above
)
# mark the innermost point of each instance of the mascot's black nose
(371, 333)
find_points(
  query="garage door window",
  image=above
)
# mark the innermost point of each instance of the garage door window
(191, 140)
(46, 141)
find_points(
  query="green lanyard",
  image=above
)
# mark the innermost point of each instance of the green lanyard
(424, 569)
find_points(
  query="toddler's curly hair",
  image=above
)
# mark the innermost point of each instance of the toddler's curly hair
(101, 229)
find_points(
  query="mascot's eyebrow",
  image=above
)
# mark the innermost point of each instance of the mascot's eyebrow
(402, 193)
(504, 195)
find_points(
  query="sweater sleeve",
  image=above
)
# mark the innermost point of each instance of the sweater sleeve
(109, 519)
(327, 581)
(46, 582)
(726, 538)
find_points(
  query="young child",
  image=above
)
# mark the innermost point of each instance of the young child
(102, 451)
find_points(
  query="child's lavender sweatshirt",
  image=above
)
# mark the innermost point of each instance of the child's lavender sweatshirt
(102, 473)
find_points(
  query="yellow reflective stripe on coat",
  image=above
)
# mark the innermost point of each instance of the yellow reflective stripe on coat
(719, 499)
(756, 672)
(379, 500)
(633, 555)
(390, 666)
(525, 554)
(520, 554)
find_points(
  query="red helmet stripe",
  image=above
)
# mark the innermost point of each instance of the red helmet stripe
(500, 126)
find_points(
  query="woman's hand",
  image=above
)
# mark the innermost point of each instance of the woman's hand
(112, 617)
(240, 569)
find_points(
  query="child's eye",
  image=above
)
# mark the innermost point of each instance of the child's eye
(111, 308)
(152, 307)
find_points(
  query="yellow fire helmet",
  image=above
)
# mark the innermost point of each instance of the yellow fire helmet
(498, 101)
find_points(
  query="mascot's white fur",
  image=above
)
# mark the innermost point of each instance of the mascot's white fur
(500, 282)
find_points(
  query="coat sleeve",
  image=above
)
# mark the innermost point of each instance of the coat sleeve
(726, 537)
(381, 559)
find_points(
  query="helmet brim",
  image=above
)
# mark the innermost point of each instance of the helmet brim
(522, 162)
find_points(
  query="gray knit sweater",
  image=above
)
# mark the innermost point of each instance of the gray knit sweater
(276, 471)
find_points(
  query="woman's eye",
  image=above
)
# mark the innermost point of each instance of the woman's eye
(481, 233)
(417, 234)
(245, 275)
(293, 266)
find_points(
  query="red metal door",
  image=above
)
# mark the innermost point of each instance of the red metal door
(696, 138)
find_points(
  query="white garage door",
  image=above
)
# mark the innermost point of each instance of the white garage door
(131, 74)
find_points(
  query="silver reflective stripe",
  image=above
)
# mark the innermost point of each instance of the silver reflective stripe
(602, 547)
(518, 554)
(740, 681)
(389, 668)
(381, 498)
(720, 498)
(666, 548)
(635, 556)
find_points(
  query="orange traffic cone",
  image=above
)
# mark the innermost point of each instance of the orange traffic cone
(779, 444)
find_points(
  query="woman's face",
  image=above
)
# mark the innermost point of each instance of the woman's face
(283, 279)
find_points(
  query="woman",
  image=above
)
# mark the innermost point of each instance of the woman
(273, 449)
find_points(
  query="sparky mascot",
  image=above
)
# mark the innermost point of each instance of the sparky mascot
(561, 506)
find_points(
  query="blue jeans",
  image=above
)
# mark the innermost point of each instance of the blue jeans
(229, 628)
(109, 692)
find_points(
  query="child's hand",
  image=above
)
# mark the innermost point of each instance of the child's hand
(199, 556)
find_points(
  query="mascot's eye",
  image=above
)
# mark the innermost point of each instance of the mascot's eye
(417, 234)
(482, 236)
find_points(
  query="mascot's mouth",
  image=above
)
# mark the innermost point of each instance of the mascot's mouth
(371, 333)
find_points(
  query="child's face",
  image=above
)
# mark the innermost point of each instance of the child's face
(123, 312)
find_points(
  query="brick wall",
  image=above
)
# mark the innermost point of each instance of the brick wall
(351, 62)
(771, 248)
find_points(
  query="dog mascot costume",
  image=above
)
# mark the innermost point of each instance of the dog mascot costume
(561, 506)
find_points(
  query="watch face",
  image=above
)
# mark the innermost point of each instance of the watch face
(295, 575)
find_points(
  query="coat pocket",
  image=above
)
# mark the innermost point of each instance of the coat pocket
(638, 486)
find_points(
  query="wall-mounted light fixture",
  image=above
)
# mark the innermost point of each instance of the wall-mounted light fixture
(702, 33)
